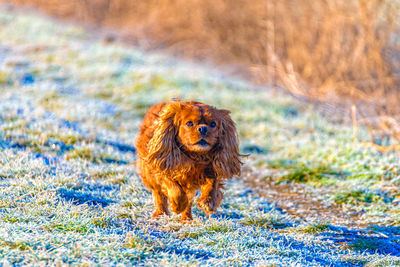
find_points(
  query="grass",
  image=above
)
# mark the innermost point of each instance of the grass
(301, 172)
(137, 242)
(370, 244)
(90, 155)
(70, 193)
(359, 196)
(268, 220)
(366, 244)
(315, 228)
(208, 230)
(15, 245)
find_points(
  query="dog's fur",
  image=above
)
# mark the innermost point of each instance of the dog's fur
(183, 147)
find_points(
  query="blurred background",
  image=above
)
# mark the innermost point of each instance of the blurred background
(340, 53)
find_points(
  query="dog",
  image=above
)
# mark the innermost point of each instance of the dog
(183, 147)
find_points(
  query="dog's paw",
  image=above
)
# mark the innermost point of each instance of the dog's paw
(207, 205)
(186, 218)
(159, 213)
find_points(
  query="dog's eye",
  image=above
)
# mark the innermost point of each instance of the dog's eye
(213, 124)
(189, 124)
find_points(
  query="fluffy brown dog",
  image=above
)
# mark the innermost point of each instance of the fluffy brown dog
(183, 147)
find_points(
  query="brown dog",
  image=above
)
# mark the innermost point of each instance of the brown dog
(183, 147)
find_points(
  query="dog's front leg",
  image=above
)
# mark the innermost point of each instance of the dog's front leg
(211, 195)
(178, 200)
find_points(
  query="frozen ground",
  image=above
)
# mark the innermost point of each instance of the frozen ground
(70, 107)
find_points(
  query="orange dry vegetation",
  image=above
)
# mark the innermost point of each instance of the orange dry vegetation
(332, 50)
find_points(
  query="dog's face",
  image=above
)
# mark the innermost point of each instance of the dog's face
(198, 127)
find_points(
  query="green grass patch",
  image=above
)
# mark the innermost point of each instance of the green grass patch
(66, 139)
(50, 101)
(44, 137)
(83, 153)
(280, 163)
(102, 175)
(33, 144)
(90, 155)
(365, 243)
(267, 221)
(119, 180)
(134, 240)
(14, 245)
(13, 219)
(103, 94)
(315, 228)
(69, 226)
(101, 222)
(302, 173)
(111, 176)
(130, 204)
(383, 263)
(5, 78)
(355, 261)
(358, 196)
(282, 252)
(206, 230)
(125, 215)
(157, 81)
(188, 234)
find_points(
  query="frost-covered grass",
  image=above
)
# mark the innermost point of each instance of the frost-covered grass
(70, 110)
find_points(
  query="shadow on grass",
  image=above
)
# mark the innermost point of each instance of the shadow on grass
(22, 144)
(374, 239)
(117, 145)
(253, 149)
(83, 198)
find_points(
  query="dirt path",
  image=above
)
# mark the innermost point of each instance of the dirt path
(300, 201)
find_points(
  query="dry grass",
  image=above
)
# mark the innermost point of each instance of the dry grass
(343, 51)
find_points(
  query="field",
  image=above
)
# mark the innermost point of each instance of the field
(341, 51)
(70, 108)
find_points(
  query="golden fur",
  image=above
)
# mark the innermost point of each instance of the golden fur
(183, 147)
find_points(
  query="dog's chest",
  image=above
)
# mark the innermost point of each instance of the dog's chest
(191, 180)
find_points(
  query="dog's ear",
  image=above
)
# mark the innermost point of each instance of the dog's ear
(164, 152)
(226, 162)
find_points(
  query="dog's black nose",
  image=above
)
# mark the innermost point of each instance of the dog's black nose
(203, 130)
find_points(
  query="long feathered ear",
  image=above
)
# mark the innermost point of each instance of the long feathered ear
(226, 162)
(164, 152)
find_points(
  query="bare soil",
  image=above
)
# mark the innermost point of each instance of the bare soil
(301, 201)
